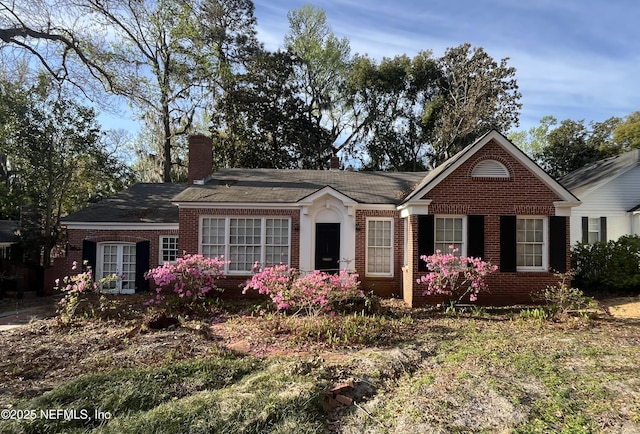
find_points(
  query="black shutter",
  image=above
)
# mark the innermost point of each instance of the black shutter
(89, 251)
(142, 265)
(426, 242)
(558, 243)
(603, 229)
(475, 236)
(507, 243)
(585, 230)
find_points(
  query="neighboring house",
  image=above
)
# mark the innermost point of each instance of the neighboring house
(609, 190)
(8, 237)
(489, 200)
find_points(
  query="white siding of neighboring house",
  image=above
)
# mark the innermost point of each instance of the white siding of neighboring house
(610, 200)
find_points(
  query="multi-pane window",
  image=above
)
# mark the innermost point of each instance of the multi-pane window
(168, 249)
(530, 242)
(594, 230)
(118, 260)
(276, 241)
(380, 247)
(449, 232)
(5, 250)
(245, 241)
(213, 237)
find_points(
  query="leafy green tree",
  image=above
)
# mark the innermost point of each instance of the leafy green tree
(320, 76)
(264, 119)
(477, 94)
(626, 135)
(55, 150)
(392, 97)
(572, 145)
(534, 140)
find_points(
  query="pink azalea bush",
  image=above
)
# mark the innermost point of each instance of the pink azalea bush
(455, 276)
(312, 294)
(190, 277)
(76, 289)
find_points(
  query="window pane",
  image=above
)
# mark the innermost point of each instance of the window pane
(277, 241)
(213, 242)
(449, 233)
(530, 242)
(169, 249)
(379, 248)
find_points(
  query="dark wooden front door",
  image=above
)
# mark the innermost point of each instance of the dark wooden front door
(327, 246)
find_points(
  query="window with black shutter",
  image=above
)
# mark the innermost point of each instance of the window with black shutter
(425, 239)
(475, 236)
(507, 243)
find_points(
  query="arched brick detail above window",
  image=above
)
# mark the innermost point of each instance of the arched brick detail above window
(490, 169)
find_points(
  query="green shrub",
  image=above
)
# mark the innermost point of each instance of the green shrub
(562, 299)
(610, 268)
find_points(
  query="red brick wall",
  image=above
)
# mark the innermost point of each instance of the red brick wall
(522, 194)
(188, 240)
(382, 286)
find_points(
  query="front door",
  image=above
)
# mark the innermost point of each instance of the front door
(327, 246)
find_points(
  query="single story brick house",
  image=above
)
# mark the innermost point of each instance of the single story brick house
(489, 200)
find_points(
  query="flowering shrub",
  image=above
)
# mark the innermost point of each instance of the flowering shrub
(312, 294)
(190, 277)
(455, 276)
(76, 288)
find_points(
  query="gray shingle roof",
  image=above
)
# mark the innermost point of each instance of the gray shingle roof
(587, 177)
(8, 230)
(289, 186)
(140, 203)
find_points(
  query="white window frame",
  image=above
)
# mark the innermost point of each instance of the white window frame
(390, 247)
(119, 262)
(226, 248)
(5, 248)
(463, 247)
(254, 246)
(545, 244)
(162, 250)
(594, 223)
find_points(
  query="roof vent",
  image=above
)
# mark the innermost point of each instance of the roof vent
(489, 169)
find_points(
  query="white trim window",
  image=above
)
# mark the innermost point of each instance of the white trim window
(276, 241)
(5, 250)
(531, 248)
(212, 237)
(245, 243)
(450, 231)
(593, 233)
(168, 248)
(379, 247)
(246, 240)
(117, 259)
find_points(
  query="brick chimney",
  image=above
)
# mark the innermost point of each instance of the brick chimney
(200, 158)
(334, 163)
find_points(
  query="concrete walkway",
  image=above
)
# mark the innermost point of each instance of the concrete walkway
(16, 312)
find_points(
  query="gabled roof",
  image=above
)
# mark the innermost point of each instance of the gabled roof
(592, 175)
(291, 186)
(140, 203)
(441, 172)
(8, 230)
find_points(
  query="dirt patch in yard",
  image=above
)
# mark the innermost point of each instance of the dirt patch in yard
(426, 371)
(623, 307)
